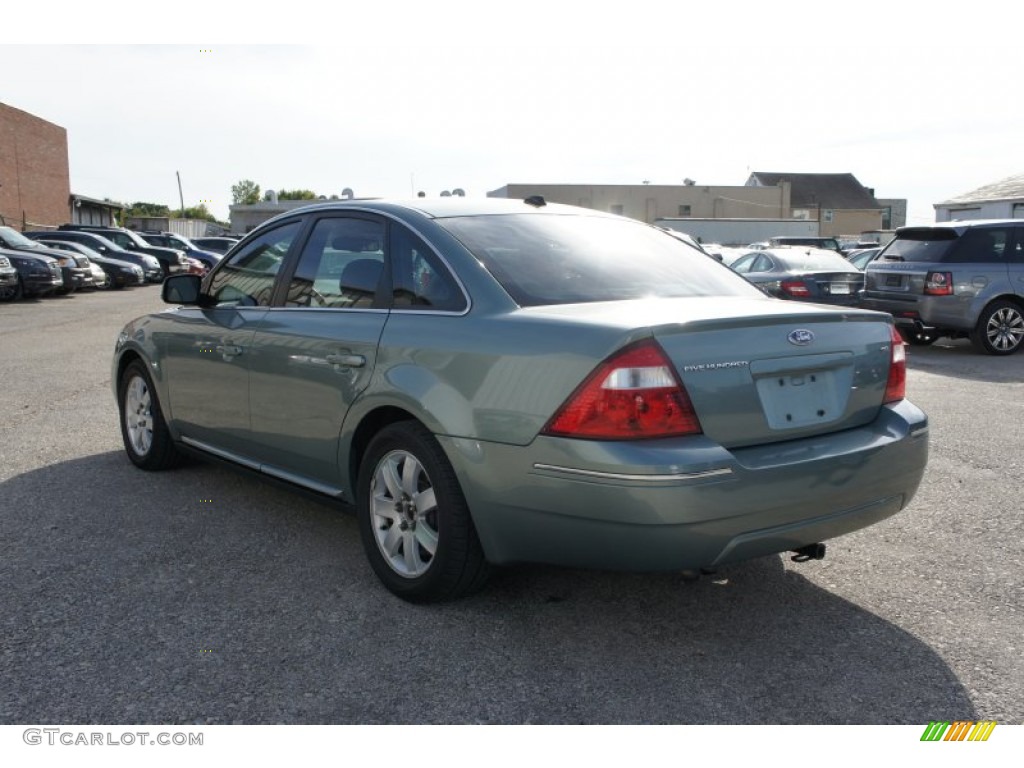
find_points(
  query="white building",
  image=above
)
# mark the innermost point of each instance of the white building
(1001, 200)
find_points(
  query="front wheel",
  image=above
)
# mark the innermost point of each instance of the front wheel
(147, 441)
(413, 519)
(12, 292)
(1000, 329)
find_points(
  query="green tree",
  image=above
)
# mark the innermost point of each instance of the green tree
(197, 212)
(148, 209)
(245, 192)
(296, 194)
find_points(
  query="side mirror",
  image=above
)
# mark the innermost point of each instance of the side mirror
(182, 289)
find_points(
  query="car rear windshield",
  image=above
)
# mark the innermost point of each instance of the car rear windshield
(567, 259)
(919, 245)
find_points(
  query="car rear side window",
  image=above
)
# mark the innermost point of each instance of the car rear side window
(982, 245)
(341, 265)
(542, 259)
(247, 280)
(420, 281)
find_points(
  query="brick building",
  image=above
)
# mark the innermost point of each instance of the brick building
(35, 184)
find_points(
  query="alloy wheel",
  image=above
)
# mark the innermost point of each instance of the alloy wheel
(1005, 329)
(404, 514)
(138, 415)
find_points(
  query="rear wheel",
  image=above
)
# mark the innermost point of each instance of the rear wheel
(414, 521)
(1000, 329)
(147, 441)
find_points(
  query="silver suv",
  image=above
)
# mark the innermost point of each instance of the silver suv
(957, 279)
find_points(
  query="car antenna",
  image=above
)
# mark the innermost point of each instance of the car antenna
(537, 201)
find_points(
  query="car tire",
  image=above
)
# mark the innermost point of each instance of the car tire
(1000, 329)
(147, 441)
(13, 292)
(415, 525)
(107, 283)
(917, 338)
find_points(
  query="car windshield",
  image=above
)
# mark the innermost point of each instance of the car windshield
(923, 245)
(17, 240)
(541, 260)
(134, 238)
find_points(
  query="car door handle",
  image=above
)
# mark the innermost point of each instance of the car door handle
(347, 361)
(227, 351)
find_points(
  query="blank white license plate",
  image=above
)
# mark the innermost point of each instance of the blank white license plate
(841, 288)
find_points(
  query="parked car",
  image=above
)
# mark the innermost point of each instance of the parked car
(8, 280)
(171, 260)
(182, 243)
(827, 243)
(219, 245)
(857, 245)
(37, 275)
(956, 279)
(493, 381)
(195, 266)
(75, 272)
(862, 257)
(803, 274)
(149, 264)
(117, 274)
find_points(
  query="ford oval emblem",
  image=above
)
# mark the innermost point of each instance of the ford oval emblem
(801, 337)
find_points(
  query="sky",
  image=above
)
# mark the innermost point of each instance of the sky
(916, 102)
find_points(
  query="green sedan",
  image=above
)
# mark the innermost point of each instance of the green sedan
(496, 381)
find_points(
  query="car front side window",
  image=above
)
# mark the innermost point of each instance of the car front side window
(341, 265)
(247, 280)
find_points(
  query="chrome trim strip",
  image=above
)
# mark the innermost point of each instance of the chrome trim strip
(636, 478)
(221, 453)
(280, 474)
(918, 432)
(313, 485)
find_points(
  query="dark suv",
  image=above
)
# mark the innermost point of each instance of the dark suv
(171, 260)
(956, 279)
(75, 271)
(151, 268)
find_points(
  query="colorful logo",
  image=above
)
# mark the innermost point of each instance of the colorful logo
(959, 730)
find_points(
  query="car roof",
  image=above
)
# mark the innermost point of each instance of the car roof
(444, 207)
(794, 253)
(960, 226)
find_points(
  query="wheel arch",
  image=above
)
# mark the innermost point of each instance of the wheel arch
(984, 301)
(362, 433)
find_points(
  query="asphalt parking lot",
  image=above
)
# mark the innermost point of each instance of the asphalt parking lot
(204, 596)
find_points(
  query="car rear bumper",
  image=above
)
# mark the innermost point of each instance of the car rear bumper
(686, 503)
(924, 313)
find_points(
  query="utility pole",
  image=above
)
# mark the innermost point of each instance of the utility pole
(181, 197)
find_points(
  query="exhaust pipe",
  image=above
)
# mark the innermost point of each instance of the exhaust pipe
(809, 552)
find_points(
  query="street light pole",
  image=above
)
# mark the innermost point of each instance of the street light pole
(181, 197)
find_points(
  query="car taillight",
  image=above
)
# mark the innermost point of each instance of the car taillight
(896, 386)
(795, 288)
(632, 395)
(938, 284)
